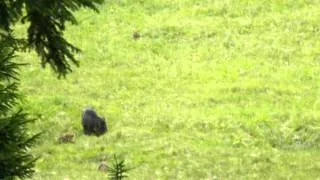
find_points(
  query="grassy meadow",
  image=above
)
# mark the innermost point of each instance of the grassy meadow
(191, 89)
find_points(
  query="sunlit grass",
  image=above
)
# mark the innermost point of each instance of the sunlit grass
(209, 90)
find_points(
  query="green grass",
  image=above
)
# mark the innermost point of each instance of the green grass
(211, 90)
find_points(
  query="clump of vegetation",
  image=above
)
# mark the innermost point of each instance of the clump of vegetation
(118, 169)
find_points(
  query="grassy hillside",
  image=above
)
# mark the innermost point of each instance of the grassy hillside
(209, 90)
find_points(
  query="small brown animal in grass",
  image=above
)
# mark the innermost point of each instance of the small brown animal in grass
(66, 138)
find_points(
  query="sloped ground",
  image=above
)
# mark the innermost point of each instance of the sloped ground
(192, 89)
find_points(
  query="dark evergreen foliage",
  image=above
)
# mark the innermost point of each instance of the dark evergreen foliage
(46, 21)
(8, 76)
(118, 169)
(15, 161)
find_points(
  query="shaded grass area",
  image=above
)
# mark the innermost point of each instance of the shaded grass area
(208, 90)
